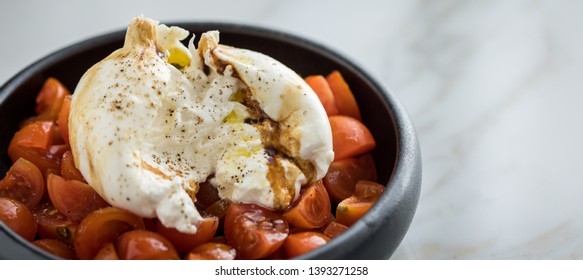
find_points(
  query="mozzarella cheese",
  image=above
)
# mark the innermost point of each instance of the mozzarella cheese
(154, 119)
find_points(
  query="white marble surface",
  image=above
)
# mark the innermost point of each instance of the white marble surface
(495, 89)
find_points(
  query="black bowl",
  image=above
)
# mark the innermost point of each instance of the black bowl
(375, 236)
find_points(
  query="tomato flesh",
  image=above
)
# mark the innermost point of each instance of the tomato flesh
(23, 182)
(254, 231)
(68, 169)
(101, 227)
(312, 209)
(350, 137)
(343, 175)
(18, 218)
(53, 225)
(108, 252)
(37, 142)
(50, 99)
(74, 199)
(56, 248)
(145, 245)
(300, 243)
(184, 242)
(212, 251)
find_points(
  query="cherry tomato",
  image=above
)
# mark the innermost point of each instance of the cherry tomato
(354, 207)
(145, 245)
(321, 87)
(68, 169)
(50, 99)
(53, 225)
(184, 242)
(368, 190)
(23, 182)
(345, 101)
(18, 218)
(74, 199)
(254, 231)
(108, 252)
(212, 251)
(334, 229)
(312, 209)
(56, 248)
(101, 227)
(350, 137)
(63, 118)
(300, 243)
(35, 142)
(343, 174)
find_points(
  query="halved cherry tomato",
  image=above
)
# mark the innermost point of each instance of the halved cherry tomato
(53, 225)
(334, 229)
(343, 96)
(343, 174)
(18, 218)
(145, 245)
(279, 254)
(108, 252)
(23, 182)
(101, 227)
(254, 231)
(300, 243)
(50, 99)
(74, 199)
(34, 142)
(368, 190)
(353, 208)
(56, 248)
(68, 169)
(63, 119)
(349, 137)
(312, 209)
(320, 86)
(212, 251)
(184, 242)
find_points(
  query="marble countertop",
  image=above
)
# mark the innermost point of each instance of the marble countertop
(494, 88)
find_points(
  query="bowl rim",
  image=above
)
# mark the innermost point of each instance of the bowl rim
(405, 179)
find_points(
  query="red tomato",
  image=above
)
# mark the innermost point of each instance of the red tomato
(108, 252)
(300, 243)
(50, 99)
(68, 169)
(74, 199)
(101, 227)
(56, 248)
(145, 245)
(345, 101)
(350, 137)
(321, 87)
(34, 142)
(184, 242)
(254, 231)
(343, 175)
(53, 225)
(312, 209)
(18, 218)
(334, 229)
(23, 182)
(212, 251)
(353, 208)
(63, 119)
